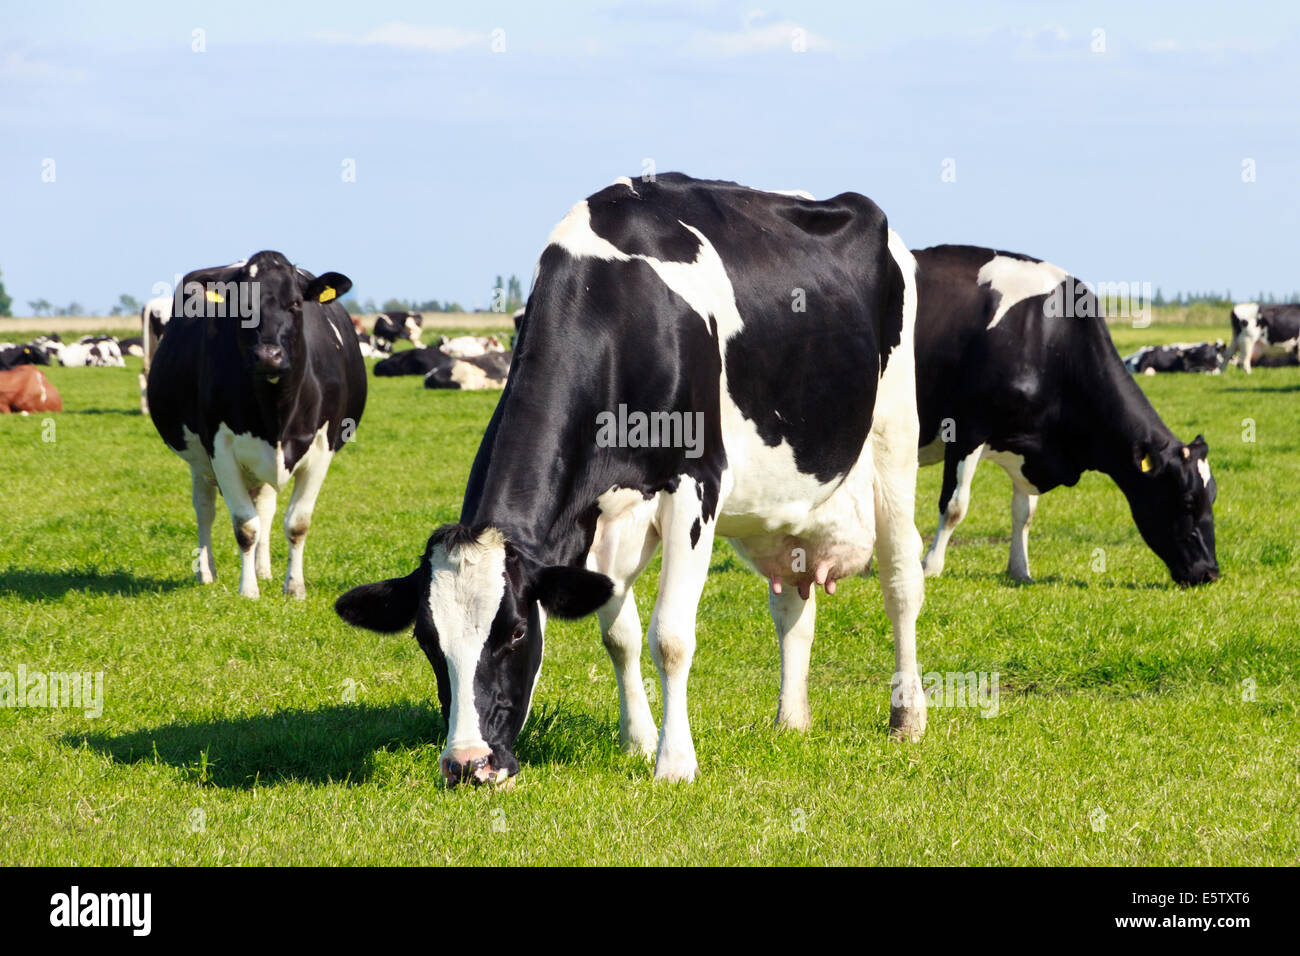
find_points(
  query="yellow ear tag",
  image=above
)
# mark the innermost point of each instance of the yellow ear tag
(214, 296)
(327, 293)
(1147, 463)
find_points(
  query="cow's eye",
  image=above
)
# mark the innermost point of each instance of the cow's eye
(519, 633)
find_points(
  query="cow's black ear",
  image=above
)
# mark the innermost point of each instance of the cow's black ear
(327, 287)
(385, 606)
(571, 592)
(1199, 448)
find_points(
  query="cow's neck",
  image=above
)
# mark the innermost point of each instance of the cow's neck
(1112, 417)
(536, 484)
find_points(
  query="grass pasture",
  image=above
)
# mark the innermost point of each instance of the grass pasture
(238, 732)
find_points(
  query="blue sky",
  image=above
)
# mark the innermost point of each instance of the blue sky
(1123, 163)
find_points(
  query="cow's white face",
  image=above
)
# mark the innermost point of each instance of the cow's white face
(479, 608)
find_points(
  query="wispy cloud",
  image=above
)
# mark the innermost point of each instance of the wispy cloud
(17, 64)
(412, 36)
(755, 36)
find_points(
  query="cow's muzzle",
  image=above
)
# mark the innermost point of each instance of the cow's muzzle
(473, 765)
(270, 360)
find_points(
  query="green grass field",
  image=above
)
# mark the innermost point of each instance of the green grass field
(238, 732)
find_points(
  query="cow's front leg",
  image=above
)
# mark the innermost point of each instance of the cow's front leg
(265, 501)
(1023, 506)
(297, 516)
(620, 631)
(243, 513)
(687, 549)
(203, 494)
(796, 621)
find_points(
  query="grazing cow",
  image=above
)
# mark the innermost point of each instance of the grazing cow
(1004, 374)
(11, 356)
(92, 351)
(260, 383)
(391, 326)
(25, 389)
(1260, 331)
(154, 316)
(1179, 357)
(478, 372)
(411, 362)
(664, 390)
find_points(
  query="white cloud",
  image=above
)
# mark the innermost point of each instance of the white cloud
(17, 65)
(755, 37)
(412, 36)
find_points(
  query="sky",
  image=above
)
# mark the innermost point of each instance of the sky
(425, 148)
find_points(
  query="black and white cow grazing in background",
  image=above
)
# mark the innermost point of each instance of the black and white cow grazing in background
(489, 370)
(1178, 357)
(391, 326)
(154, 316)
(1260, 331)
(1004, 372)
(257, 381)
(11, 355)
(698, 359)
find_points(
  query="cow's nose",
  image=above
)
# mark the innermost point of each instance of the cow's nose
(269, 356)
(467, 763)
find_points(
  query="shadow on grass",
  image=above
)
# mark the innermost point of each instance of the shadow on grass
(134, 412)
(1262, 388)
(331, 745)
(1002, 579)
(38, 584)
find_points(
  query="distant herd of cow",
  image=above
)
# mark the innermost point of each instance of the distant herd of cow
(822, 360)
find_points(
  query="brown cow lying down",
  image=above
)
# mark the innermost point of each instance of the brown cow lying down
(26, 389)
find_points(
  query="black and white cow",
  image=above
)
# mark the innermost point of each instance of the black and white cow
(698, 359)
(489, 370)
(92, 351)
(470, 346)
(257, 381)
(1178, 357)
(154, 316)
(1006, 372)
(391, 326)
(419, 361)
(12, 355)
(1260, 331)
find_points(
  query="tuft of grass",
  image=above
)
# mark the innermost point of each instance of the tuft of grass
(238, 732)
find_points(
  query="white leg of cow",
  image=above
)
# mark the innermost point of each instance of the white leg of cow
(620, 631)
(898, 554)
(1023, 506)
(297, 516)
(243, 511)
(144, 393)
(265, 500)
(796, 621)
(952, 513)
(203, 492)
(1248, 343)
(672, 625)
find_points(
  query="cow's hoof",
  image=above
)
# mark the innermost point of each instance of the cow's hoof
(1019, 575)
(253, 593)
(676, 769)
(295, 589)
(264, 574)
(204, 578)
(799, 719)
(640, 744)
(906, 723)
(931, 569)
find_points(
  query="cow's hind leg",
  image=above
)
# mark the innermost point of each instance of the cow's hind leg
(297, 516)
(265, 500)
(203, 493)
(796, 622)
(954, 498)
(687, 549)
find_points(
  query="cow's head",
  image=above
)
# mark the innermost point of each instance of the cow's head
(269, 295)
(479, 605)
(1173, 506)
